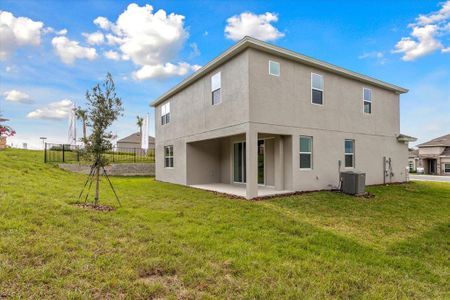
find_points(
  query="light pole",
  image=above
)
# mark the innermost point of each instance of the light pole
(43, 138)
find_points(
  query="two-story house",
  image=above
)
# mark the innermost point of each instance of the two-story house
(260, 120)
(433, 156)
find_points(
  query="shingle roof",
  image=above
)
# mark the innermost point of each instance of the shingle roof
(442, 141)
(135, 138)
(249, 42)
(446, 152)
(413, 152)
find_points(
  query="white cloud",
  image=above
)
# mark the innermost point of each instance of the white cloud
(441, 15)
(69, 51)
(422, 43)
(149, 39)
(17, 32)
(377, 55)
(55, 110)
(17, 96)
(110, 54)
(103, 23)
(195, 51)
(95, 38)
(426, 34)
(249, 24)
(61, 32)
(163, 71)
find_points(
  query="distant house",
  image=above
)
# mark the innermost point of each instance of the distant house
(434, 156)
(134, 141)
(413, 160)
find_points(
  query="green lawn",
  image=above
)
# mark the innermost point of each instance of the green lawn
(170, 241)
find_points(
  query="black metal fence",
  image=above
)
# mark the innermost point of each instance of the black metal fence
(64, 153)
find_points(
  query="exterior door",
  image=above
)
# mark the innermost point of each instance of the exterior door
(239, 166)
(432, 166)
(239, 172)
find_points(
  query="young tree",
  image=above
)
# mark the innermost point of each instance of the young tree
(103, 108)
(140, 123)
(5, 131)
(82, 115)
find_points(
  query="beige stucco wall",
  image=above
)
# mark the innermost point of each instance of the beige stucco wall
(194, 118)
(282, 105)
(286, 100)
(255, 102)
(431, 150)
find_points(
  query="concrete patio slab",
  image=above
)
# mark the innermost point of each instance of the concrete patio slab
(239, 190)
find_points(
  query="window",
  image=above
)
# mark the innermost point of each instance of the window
(215, 88)
(274, 68)
(305, 152)
(367, 100)
(411, 166)
(165, 113)
(447, 168)
(349, 153)
(316, 89)
(168, 157)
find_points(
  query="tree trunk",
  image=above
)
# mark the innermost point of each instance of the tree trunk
(140, 130)
(97, 186)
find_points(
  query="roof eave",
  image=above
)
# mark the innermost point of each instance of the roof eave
(403, 138)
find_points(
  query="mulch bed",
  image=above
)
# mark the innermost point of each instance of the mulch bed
(97, 207)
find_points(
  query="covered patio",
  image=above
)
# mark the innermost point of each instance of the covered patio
(246, 165)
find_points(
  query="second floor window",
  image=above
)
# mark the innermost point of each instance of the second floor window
(367, 100)
(306, 152)
(316, 89)
(349, 153)
(274, 68)
(215, 88)
(165, 113)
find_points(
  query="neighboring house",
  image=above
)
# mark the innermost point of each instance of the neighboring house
(434, 156)
(413, 160)
(261, 118)
(134, 141)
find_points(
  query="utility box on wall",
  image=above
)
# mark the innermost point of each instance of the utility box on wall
(353, 183)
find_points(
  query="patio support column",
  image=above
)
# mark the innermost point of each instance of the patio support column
(251, 158)
(279, 163)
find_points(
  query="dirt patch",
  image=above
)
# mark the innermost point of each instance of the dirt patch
(366, 195)
(97, 207)
(169, 281)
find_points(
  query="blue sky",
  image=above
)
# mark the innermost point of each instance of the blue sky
(45, 65)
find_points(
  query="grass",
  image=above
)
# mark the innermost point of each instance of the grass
(170, 241)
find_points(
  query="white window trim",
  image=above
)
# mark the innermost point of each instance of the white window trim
(279, 68)
(218, 88)
(170, 156)
(370, 101)
(445, 168)
(163, 108)
(322, 90)
(311, 153)
(352, 154)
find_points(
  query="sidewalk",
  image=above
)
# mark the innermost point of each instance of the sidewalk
(429, 178)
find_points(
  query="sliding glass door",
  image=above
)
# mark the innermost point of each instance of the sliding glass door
(239, 174)
(239, 168)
